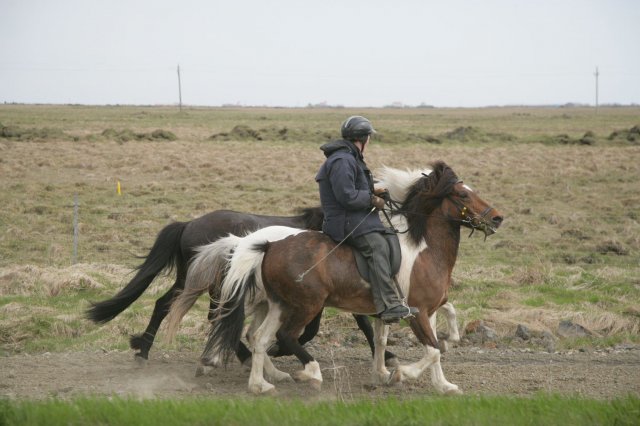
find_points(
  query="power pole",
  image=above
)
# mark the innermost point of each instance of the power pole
(597, 74)
(179, 88)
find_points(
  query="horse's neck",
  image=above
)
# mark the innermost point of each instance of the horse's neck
(443, 240)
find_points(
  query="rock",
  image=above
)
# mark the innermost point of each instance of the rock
(567, 328)
(477, 332)
(523, 332)
(472, 327)
(488, 334)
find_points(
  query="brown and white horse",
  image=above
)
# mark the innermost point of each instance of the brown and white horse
(305, 271)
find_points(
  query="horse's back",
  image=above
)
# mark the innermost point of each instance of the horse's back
(220, 223)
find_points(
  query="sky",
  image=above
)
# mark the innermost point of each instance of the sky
(295, 52)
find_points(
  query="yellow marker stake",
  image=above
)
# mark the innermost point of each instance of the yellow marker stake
(118, 188)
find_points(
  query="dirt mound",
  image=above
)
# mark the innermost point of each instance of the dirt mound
(31, 134)
(127, 135)
(589, 138)
(474, 134)
(242, 132)
(631, 135)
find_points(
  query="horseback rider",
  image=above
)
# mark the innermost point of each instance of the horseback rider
(348, 197)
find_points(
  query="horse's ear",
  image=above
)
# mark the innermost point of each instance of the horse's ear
(438, 169)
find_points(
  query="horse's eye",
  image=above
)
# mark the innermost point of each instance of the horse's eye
(463, 194)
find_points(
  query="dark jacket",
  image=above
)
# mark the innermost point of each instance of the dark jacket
(346, 186)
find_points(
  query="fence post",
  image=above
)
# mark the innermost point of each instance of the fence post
(75, 230)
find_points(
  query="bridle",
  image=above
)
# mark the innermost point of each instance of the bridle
(474, 222)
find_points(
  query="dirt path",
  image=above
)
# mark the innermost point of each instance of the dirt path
(346, 370)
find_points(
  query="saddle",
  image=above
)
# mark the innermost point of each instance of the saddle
(395, 254)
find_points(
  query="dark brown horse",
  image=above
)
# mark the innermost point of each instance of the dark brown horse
(175, 247)
(303, 273)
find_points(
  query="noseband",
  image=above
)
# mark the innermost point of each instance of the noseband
(475, 222)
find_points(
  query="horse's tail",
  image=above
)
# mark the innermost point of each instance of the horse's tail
(206, 271)
(243, 276)
(164, 254)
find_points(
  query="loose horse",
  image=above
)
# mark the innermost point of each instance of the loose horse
(303, 273)
(175, 247)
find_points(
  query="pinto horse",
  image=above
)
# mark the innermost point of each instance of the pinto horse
(174, 248)
(303, 273)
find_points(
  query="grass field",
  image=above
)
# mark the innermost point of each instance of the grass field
(566, 180)
(539, 410)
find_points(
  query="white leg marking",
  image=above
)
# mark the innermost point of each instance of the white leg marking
(433, 319)
(437, 376)
(452, 323)
(263, 336)
(431, 359)
(311, 374)
(380, 333)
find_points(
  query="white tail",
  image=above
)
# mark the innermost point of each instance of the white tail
(246, 261)
(207, 269)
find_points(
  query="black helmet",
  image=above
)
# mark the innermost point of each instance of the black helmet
(356, 127)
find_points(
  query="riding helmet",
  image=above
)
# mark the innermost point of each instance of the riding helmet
(356, 127)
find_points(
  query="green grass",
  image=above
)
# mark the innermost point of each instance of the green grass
(538, 410)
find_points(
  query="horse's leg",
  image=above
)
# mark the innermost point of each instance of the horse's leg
(271, 371)
(144, 341)
(380, 333)
(433, 321)
(210, 361)
(363, 324)
(311, 372)
(422, 328)
(278, 349)
(263, 336)
(294, 320)
(452, 324)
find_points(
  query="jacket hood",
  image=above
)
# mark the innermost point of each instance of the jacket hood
(339, 145)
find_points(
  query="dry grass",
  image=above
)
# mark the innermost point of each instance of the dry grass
(569, 248)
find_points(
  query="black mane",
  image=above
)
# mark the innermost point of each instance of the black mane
(424, 196)
(312, 217)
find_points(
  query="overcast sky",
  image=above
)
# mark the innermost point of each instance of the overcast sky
(296, 52)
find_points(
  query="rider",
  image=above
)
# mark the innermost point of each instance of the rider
(348, 197)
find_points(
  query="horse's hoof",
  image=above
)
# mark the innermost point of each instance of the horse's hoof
(392, 362)
(455, 391)
(200, 370)
(211, 362)
(140, 360)
(203, 370)
(263, 389)
(299, 376)
(282, 377)
(395, 377)
(316, 384)
(443, 346)
(452, 390)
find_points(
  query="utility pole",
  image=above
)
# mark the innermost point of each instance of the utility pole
(597, 74)
(179, 88)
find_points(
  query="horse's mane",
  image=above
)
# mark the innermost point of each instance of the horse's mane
(420, 192)
(312, 218)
